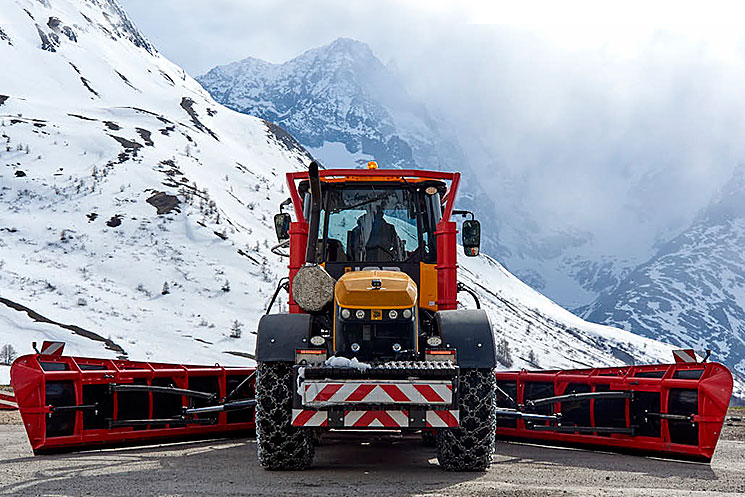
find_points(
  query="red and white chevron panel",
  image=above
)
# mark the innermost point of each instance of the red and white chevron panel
(684, 355)
(324, 392)
(442, 419)
(52, 348)
(309, 417)
(7, 402)
(375, 419)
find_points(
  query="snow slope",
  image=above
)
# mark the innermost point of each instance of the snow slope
(94, 124)
(90, 129)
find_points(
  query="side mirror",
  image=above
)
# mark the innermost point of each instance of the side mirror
(282, 226)
(471, 237)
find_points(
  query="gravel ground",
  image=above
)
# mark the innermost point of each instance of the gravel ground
(351, 465)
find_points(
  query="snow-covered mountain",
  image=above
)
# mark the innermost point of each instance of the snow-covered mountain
(692, 293)
(135, 212)
(345, 106)
(333, 98)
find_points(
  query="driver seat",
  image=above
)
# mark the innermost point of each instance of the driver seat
(383, 244)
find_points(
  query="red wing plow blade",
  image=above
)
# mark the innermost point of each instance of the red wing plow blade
(75, 402)
(675, 410)
(69, 403)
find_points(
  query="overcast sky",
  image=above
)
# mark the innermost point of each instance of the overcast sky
(620, 119)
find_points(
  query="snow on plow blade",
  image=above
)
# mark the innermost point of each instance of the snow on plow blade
(74, 402)
(675, 410)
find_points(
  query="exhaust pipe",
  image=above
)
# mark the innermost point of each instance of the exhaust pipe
(311, 252)
(312, 287)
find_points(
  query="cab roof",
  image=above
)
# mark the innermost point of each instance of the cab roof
(366, 176)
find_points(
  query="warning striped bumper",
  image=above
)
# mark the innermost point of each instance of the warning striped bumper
(317, 393)
(376, 419)
(7, 402)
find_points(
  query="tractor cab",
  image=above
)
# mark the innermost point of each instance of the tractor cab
(371, 219)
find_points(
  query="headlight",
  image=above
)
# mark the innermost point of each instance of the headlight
(345, 313)
(317, 340)
(360, 314)
(393, 314)
(434, 341)
(407, 313)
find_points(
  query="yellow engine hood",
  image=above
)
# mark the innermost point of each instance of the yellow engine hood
(355, 289)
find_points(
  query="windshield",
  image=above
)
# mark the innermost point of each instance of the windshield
(372, 224)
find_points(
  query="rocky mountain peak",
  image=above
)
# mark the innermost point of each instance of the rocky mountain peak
(729, 203)
(336, 93)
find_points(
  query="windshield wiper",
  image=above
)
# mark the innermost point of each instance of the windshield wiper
(364, 202)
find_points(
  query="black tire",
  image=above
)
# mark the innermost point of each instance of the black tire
(281, 446)
(470, 446)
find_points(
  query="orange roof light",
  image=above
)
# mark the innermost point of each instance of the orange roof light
(372, 165)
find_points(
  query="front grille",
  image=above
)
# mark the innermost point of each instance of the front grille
(387, 370)
(376, 340)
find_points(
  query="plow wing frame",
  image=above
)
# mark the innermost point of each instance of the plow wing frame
(675, 410)
(75, 402)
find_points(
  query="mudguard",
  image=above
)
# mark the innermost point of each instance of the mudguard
(279, 335)
(469, 333)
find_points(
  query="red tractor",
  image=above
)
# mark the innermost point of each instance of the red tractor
(374, 338)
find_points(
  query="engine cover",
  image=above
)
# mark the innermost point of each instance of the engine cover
(376, 289)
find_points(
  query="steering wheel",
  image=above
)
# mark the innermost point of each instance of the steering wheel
(386, 251)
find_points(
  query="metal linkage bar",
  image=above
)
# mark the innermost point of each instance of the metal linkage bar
(514, 413)
(584, 429)
(85, 407)
(671, 417)
(230, 406)
(507, 396)
(235, 391)
(165, 421)
(580, 396)
(167, 390)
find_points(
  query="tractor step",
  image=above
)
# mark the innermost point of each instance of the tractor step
(376, 418)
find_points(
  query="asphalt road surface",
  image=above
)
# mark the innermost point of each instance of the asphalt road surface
(352, 465)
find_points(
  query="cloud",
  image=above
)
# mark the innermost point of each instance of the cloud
(619, 124)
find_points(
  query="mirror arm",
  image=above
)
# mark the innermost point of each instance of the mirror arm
(464, 213)
(285, 204)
